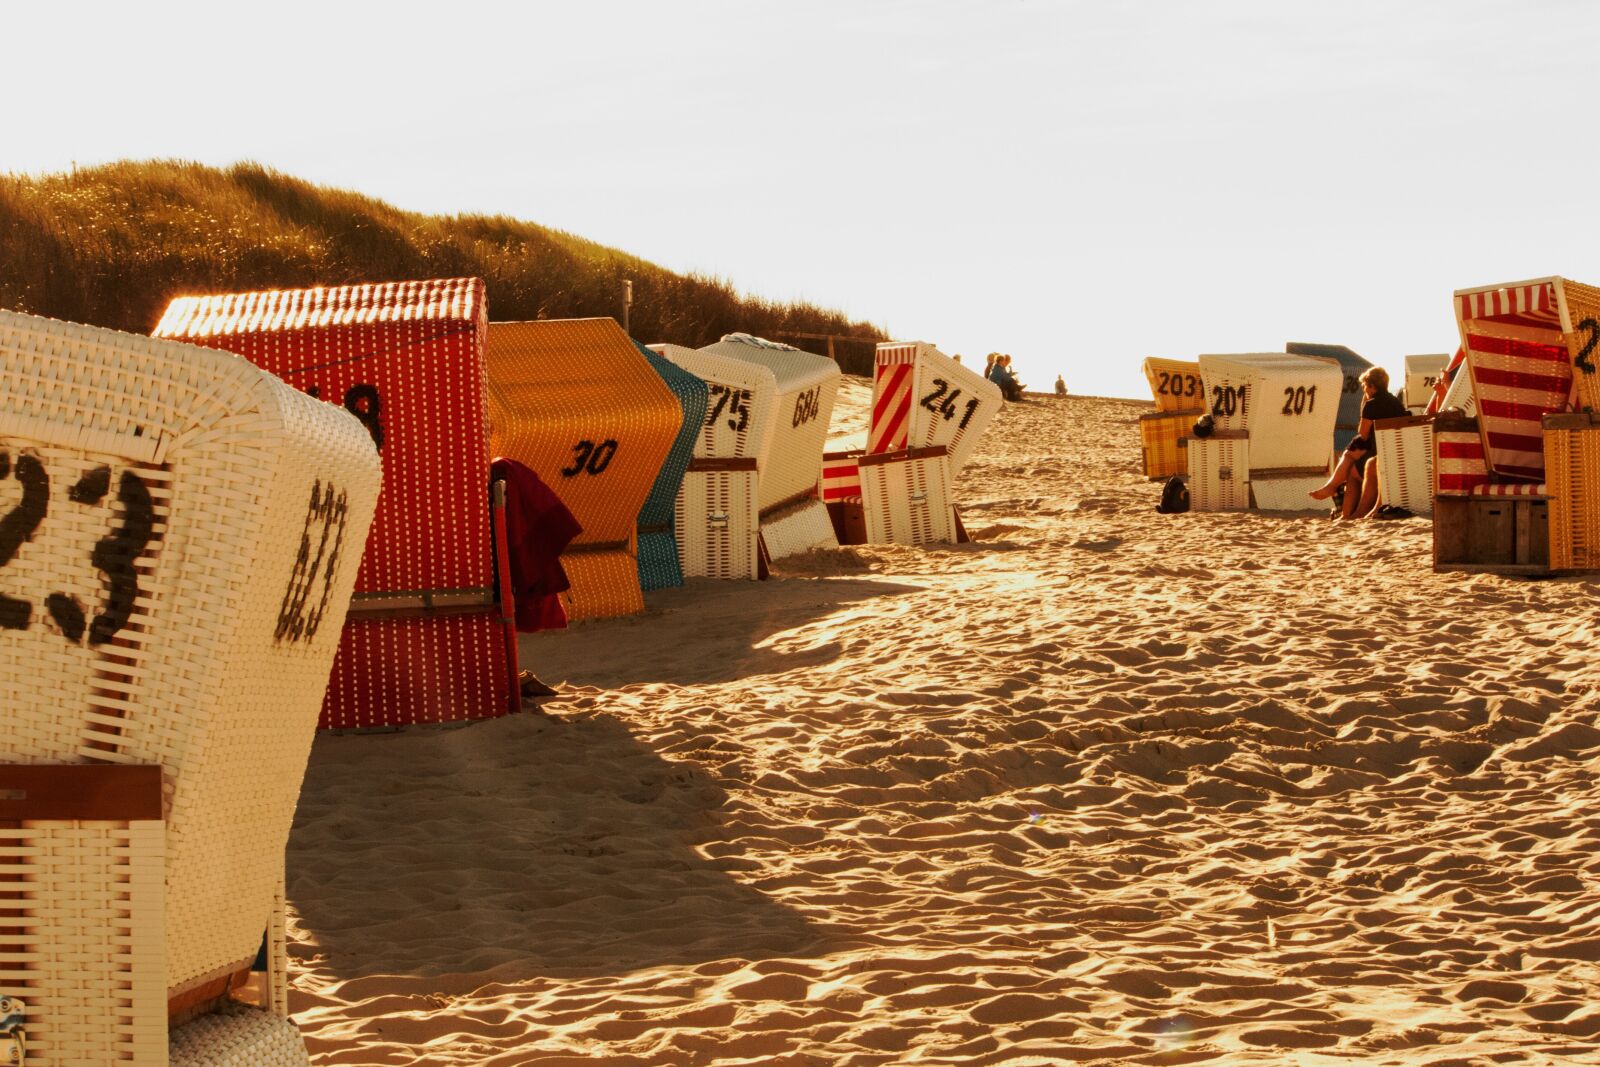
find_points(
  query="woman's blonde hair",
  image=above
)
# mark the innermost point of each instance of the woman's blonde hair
(1377, 376)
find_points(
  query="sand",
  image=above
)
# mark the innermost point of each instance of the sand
(1104, 786)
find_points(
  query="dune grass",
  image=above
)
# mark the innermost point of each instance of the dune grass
(111, 245)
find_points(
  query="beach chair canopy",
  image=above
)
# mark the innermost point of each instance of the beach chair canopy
(575, 401)
(406, 358)
(1350, 397)
(1175, 383)
(806, 387)
(1287, 403)
(741, 403)
(182, 544)
(1524, 341)
(921, 398)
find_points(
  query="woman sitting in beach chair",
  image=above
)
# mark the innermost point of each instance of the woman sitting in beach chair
(1356, 471)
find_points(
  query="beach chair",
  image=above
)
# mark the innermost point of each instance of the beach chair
(793, 518)
(659, 564)
(1423, 373)
(176, 565)
(1352, 366)
(576, 402)
(406, 358)
(717, 510)
(1572, 485)
(1283, 402)
(928, 412)
(1219, 471)
(1176, 384)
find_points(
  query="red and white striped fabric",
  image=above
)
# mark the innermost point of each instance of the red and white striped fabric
(1511, 489)
(1458, 466)
(1520, 371)
(841, 478)
(893, 372)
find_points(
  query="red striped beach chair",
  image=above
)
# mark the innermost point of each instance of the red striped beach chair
(430, 636)
(174, 576)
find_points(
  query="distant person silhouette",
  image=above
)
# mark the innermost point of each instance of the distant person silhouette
(1061, 386)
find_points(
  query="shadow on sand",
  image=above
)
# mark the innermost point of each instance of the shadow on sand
(512, 849)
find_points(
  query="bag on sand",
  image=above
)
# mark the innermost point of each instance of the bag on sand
(1174, 496)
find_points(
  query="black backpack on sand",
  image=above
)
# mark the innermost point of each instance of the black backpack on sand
(1174, 496)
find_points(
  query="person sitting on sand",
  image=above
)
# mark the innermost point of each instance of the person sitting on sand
(989, 365)
(1010, 388)
(1357, 471)
(1061, 386)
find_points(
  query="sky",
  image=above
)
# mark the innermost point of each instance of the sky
(1078, 184)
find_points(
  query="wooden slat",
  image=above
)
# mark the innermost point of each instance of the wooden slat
(80, 792)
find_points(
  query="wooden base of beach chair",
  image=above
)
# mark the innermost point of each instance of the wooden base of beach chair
(1164, 440)
(1497, 535)
(1287, 489)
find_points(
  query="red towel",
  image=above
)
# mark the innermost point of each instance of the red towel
(538, 529)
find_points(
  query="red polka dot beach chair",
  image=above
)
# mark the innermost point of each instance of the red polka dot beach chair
(430, 635)
(180, 544)
(1288, 405)
(928, 414)
(576, 401)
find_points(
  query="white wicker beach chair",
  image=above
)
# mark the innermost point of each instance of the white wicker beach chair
(173, 597)
(718, 507)
(905, 496)
(1288, 405)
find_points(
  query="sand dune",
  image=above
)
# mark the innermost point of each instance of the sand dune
(1104, 786)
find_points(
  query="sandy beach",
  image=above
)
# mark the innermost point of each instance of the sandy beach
(1103, 786)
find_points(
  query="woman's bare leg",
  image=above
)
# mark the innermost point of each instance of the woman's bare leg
(1340, 473)
(1352, 493)
(1369, 490)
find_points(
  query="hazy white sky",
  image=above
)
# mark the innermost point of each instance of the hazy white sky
(1079, 184)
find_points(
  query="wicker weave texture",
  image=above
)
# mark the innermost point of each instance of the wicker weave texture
(1280, 492)
(658, 546)
(1405, 466)
(1164, 438)
(1283, 401)
(574, 400)
(238, 1036)
(807, 385)
(84, 950)
(798, 529)
(181, 601)
(921, 398)
(1352, 365)
(1572, 479)
(1422, 374)
(717, 525)
(1176, 383)
(1458, 465)
(1582, 314)
(907, 500)
(605, 583)
(408, 358)
(1219, 474)
(742, 404)
(1459, 396)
